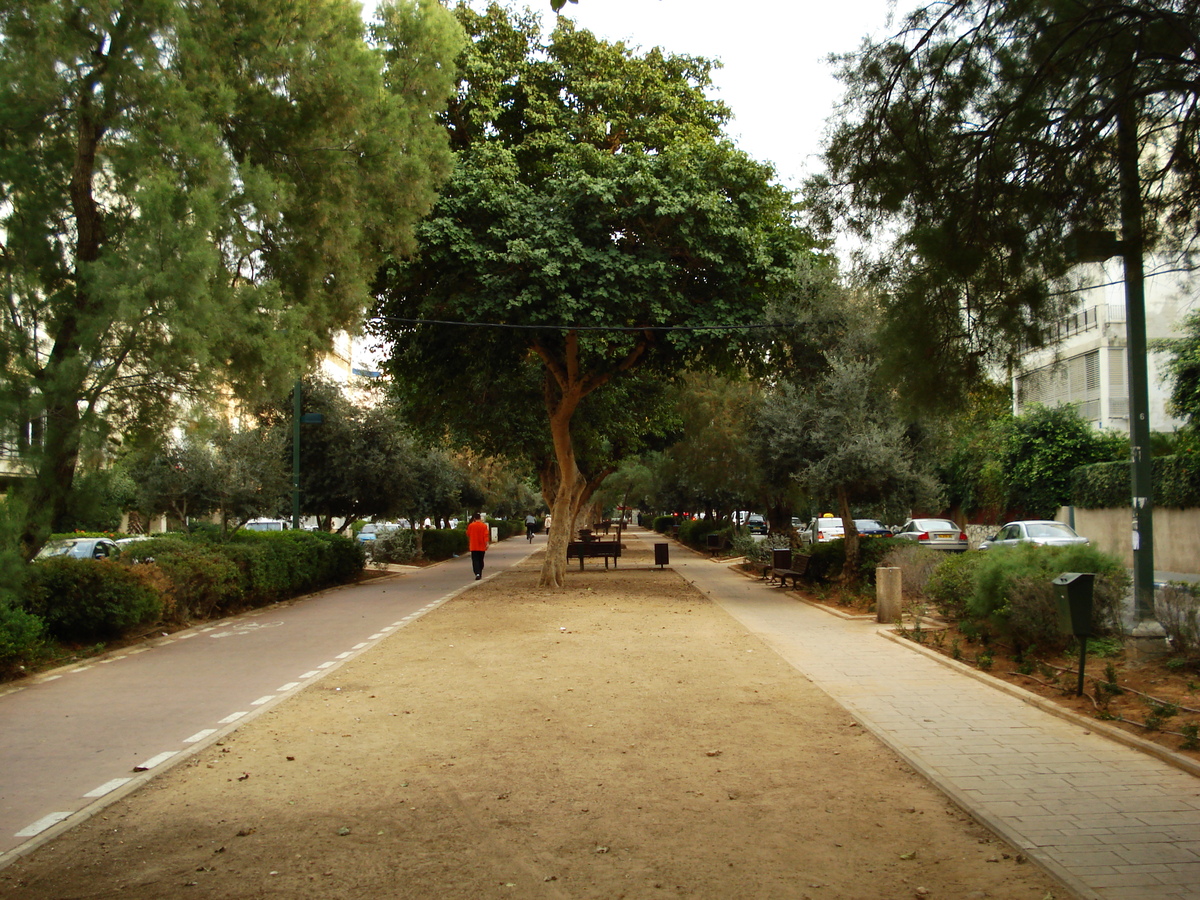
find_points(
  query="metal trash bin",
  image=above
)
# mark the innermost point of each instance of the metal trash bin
(662, 556)
(1073, 597)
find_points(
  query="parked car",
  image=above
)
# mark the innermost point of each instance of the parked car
(823, 529)
(937, 534)
(80, 548)
(871, 528)
(268, 525)
(756, 524)
(1041, 532)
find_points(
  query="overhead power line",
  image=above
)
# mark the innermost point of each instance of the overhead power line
(758, 326)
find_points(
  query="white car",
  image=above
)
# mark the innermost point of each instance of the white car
(822, 530)
(1042, 532)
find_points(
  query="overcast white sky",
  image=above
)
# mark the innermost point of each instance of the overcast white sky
(775, 76)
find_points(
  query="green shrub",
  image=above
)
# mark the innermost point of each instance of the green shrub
(916, 565)
(83, 600)
(825, 561)
(695, 532)
(952, 582)
(1175, 483)
(21, 636)
(665, 524)
(1177, 607)
(196, 579)
(443, 543)
(506, 528)
(1011, 588)
(398, 546)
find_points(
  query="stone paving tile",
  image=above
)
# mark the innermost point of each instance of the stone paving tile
(1122, 825)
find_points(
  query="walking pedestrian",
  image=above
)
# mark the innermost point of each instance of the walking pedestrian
(547, 524)
(478, 535)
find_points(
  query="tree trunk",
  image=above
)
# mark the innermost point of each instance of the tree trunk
(850, 568)
(567, 494)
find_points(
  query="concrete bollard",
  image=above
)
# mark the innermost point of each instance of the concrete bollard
(887, 595)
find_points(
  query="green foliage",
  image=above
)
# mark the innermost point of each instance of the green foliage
(952, 583)
(979, 138)
(695, 532)
(1175, 483)
(1183, 371)
(826, 561)
(1012, 590)
(84, 600)
(443, 543)
(397, 545)
(21, 636)
(1177, 608)
(170, 178)
(593, 188)
(359, 462)
(1041, 450)
(97, 500)
(204, 576)
(666, 524)
(916, 564)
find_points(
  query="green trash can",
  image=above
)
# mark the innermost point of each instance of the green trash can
(1073, 596)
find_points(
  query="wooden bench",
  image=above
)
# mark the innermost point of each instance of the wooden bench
(785, 565)
(594, 550)
(717, 542)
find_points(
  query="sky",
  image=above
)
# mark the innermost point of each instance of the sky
(775, 77)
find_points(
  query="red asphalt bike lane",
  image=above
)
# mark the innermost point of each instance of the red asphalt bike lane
(77, 738)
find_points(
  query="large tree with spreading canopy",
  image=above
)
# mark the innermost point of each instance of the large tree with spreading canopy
(193, 196)
(598, 223)
(983, 140)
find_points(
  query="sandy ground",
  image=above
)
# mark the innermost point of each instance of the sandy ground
(622, 737)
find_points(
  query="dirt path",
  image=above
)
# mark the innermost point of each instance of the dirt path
(620, 738)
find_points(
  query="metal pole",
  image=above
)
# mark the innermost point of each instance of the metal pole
(1132, 245)
(296, 394)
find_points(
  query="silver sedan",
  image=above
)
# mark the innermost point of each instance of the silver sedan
(936, 534)
(1041, 532)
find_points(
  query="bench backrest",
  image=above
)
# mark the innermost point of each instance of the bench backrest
(781, 558)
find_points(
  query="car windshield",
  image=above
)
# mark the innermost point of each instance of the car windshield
(1048, 530)
(868, 524)
(57, 548)
(936, 525)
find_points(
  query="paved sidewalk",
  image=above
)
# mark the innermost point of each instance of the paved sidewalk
(1111, 822)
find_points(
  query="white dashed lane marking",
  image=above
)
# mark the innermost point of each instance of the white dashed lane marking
(108, 787)
(155, 761)
(42, 824)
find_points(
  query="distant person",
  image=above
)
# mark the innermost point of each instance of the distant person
(530, 527)
(478, 535)
(547, 524)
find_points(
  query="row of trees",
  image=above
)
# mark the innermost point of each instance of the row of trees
(193, 197)
(357, 463)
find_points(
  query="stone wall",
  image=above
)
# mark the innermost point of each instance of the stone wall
(1176, 535)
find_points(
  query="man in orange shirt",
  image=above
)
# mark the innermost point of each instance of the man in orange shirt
(478, 534)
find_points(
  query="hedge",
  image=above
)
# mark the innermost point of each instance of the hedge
(83, 600)
(200, 577)
(1175, 482)
(443, 543)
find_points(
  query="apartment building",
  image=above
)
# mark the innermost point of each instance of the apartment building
(1086, 364)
